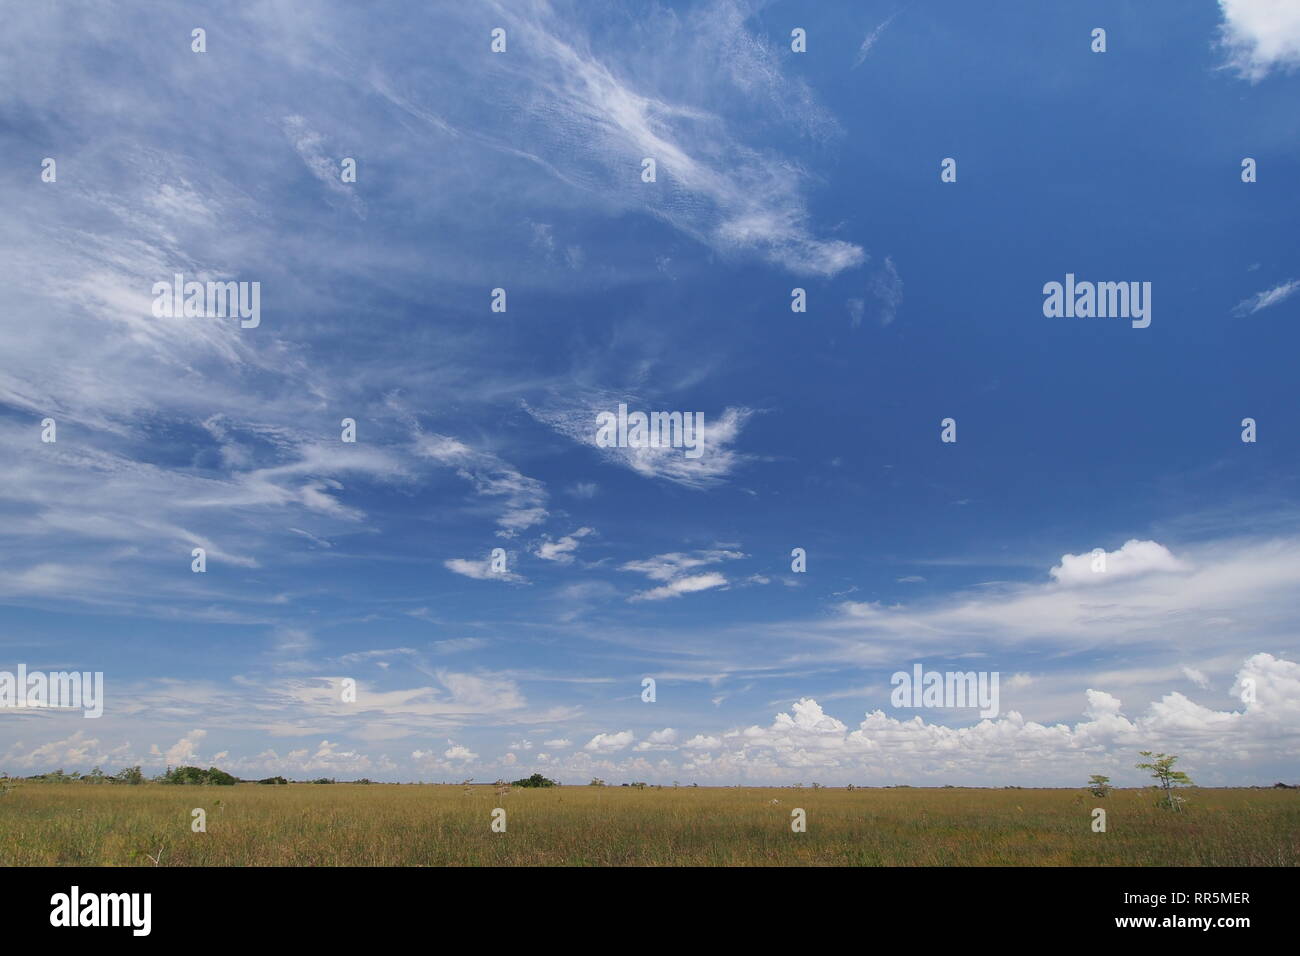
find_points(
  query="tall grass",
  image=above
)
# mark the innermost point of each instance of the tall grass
(387, 825)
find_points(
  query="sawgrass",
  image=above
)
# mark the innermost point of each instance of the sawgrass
(50, 824)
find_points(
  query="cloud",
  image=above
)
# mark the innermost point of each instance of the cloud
(609, 743)
(1260, 36)
(480, 570)
(524, 498)
(1225, 594)
(576, 418)
(325, 166)
(1269, 297)
(887, 289)
(665, 739)
(684, 585)
(1134, 557)
(597, 118)
(870, 39)
(664, 567)
(887, 748)
(185, 751)
(670, 568)
(561, 551)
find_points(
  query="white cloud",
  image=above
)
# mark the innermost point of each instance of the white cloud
(524, 498)
(479, 570)
(887, 289)
(587, 115)
(884, 748)
(185, 751)
(1134, 557)
(870, 39)
(561, 551)
(684, 585)
(1260, 35)
(659, 740)
(608, 743)
(1269, 297)
(575, 418)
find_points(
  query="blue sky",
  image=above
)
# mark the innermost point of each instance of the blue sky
(776, 170)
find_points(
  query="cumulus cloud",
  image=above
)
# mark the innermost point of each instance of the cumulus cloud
(608, 743)
(665, 739)
(1259, 36)
(1134, 557)
(886, 748)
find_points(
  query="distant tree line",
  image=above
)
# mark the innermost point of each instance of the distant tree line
(181, 776)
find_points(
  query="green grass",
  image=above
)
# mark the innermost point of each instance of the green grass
(44, 824)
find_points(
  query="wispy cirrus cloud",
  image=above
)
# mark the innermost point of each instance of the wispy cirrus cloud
(1269, 297)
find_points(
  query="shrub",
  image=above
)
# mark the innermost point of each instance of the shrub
(195, 776)
(536, 780)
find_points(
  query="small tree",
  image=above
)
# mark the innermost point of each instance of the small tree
(1162, 769)
(1098, 785)
(596, 782)
(536, 780)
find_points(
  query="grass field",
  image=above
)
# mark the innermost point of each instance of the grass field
(43, 824)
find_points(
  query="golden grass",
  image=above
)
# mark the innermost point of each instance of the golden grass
(43, 824)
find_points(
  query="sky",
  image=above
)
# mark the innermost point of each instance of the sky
(351, 621)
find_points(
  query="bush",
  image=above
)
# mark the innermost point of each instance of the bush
(274, 781)
(195, 776)
(536, 780)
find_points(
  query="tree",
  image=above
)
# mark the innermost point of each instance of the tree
(1098, 785)
(1162, 769)
(131, 775)
(596, 782)
(197, 776)
(536, 780)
